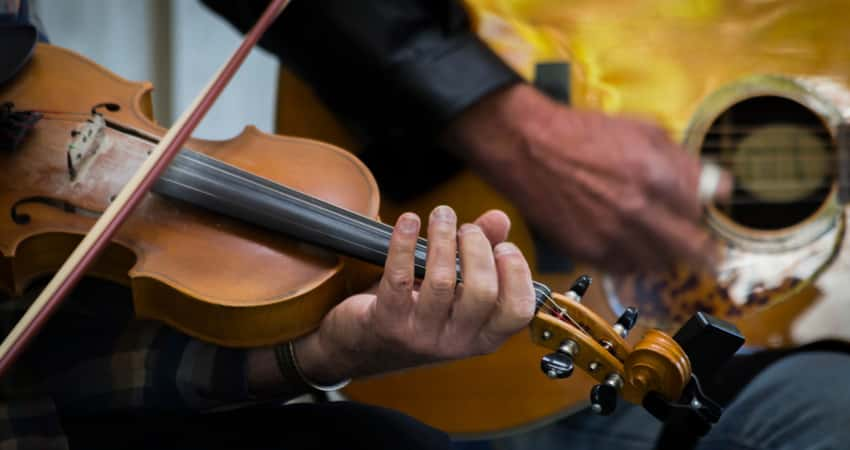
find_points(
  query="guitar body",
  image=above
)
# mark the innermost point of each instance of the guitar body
(771, 118)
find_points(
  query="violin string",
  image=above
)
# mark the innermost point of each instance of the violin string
(550, 305)
(561, 313)
(348, 217)
(552, 308)
(213, 195)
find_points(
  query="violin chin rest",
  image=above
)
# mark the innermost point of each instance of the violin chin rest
(18, 43)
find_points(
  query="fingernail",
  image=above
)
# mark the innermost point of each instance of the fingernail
(505, 248)
(408, 223)
(443, 213)
(468, 228)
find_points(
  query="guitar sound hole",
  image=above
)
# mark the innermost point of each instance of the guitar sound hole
(782, 157)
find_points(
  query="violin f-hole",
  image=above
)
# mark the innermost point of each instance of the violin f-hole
(24, 218)
(111, 107)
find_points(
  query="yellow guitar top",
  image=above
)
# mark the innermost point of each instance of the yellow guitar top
(659, 58)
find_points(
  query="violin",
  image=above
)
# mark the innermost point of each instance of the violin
(240, 241)
(210, 276)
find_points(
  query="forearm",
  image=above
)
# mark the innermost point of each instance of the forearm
(500, 136)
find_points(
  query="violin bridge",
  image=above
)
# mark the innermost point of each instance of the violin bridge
(84, 144)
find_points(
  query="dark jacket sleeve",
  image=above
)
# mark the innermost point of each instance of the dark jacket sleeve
(395, 71)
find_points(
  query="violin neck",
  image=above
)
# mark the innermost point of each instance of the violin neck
(211, 184)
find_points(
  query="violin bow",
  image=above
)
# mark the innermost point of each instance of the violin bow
(128, 198)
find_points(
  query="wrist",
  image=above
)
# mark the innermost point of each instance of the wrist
(294, 368)
(320, 364)
(290, 365)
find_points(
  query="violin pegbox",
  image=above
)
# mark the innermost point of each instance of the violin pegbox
(580, 338)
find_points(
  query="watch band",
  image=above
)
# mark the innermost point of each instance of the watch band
(291, 372)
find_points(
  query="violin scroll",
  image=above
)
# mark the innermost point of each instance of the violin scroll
(659, 372)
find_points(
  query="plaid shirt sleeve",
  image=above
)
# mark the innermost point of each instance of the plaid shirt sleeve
(120, 363)
(95, 358)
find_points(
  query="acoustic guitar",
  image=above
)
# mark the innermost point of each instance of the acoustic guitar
(783, 280)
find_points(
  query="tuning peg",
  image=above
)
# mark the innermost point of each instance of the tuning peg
(626, 321)
(560, 364)
(557, 365)
(603, 397)
(579, 288)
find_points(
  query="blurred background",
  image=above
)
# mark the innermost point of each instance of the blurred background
(177, 45)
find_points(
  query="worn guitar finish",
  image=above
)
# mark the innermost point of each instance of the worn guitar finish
(742, 97)
(783, 236)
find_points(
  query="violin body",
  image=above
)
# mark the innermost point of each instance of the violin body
(210, 276)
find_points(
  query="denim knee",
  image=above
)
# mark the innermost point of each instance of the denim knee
(799, 402)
